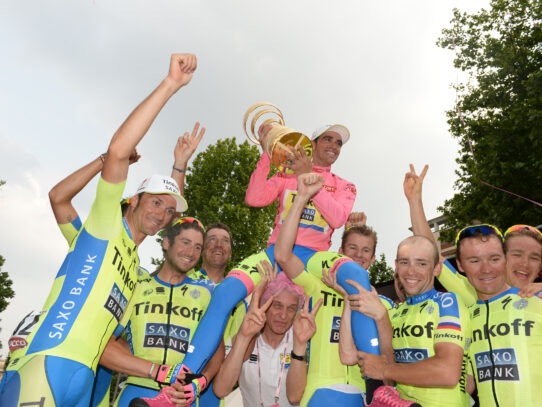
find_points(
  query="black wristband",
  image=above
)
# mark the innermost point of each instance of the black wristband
(297, 357)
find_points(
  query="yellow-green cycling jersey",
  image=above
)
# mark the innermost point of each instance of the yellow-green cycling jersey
(324, 366)
(418, 324)
(92, 289)
(457, 283)
(506, 350)
(162, 320)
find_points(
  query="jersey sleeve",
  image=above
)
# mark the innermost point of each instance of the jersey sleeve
(70, 230)
(454, 282)
(262, 191)
(309, 282)
(453, 325)
(388, 303)
(336, 207)
(103, 220)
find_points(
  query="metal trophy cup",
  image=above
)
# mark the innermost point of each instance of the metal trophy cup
(279, 138)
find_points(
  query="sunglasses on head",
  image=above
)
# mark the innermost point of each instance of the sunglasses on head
(515, 228)
(189, 219)
(485, 229)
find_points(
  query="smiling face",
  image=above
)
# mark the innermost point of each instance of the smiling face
(184, 252)
(152, 212)
(359, 248)
(326, 149)
(523, 260)
(482, 260)
(217, 250)
(415, 266)
(280, 315)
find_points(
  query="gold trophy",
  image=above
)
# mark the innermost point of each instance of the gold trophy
(279, 138)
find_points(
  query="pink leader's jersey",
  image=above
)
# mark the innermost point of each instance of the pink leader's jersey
(326, 211)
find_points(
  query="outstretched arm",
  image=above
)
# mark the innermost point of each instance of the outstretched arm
(130, 133)
(61, 195)
(442, 369)
(307, 186)
(184, 149)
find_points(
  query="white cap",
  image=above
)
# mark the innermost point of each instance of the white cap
(160, 184)
(336, 128)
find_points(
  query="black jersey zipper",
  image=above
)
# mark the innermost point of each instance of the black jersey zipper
(491, 355)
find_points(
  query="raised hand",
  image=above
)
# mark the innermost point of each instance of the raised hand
(412, 184)
(255, 317)
(186, 145)
(304, 326)
(355, 219)
(300, 162)
(309, 184)
(181, 68)
(330, 279)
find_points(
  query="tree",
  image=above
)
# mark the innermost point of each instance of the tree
(6, 292)
(380, 272)
(215, 192)
(501, 102)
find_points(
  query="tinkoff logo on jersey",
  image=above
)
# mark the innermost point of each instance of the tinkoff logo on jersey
(335, 326)
(116, 302)
(517, 327)
(506, 365)
(410, 355)
(163, 336)
(406, 330)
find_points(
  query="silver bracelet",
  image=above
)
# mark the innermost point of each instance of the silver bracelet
(178, 169)
(102, 157)
(150, 371)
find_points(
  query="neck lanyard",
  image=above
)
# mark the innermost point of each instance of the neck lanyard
(283, 364)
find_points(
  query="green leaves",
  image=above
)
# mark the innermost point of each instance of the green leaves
(501, 102)
(216, 184)
(380, 272)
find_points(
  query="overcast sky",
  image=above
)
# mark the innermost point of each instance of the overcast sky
(72, 71)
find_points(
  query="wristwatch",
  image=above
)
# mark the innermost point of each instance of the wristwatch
(297, 357)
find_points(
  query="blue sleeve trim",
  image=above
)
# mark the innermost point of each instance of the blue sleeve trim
(76, 223)
(448, 305)
(450, 267)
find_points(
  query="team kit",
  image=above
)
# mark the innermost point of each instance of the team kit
(312, 332)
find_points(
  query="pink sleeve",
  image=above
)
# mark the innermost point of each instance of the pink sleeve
(262, 191)
(335, 207)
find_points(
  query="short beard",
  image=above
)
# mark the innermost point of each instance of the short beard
(173, 266)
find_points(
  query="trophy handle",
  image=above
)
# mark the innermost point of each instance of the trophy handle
(273, 109)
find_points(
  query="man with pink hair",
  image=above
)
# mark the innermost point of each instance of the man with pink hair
(260, 358)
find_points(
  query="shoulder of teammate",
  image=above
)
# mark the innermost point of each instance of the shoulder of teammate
(453, 315)
(103, 218)
(388, 302)
(455, 282)
(142, 274)
(344, 185)
(201, 282)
